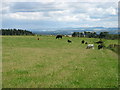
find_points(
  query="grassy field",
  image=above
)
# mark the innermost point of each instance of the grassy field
(50, 63)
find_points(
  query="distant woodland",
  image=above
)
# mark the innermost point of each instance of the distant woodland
(104, 35)
(15, 32)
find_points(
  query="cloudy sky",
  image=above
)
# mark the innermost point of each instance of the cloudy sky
(39, 15)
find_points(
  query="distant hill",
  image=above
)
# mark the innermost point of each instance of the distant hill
(70, 30)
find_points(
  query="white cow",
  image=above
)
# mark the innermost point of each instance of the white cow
(90, 46)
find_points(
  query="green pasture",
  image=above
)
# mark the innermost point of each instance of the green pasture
(55, 63)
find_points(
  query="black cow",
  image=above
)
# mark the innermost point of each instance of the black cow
(86, 42)
(100, 46)
(59, 36)
(99, 42)
(37, 38)
(69, 41)
(83, 41)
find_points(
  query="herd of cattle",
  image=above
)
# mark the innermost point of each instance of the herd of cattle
(89, 45)
(100, 46)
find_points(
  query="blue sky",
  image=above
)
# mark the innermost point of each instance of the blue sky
(42, 15)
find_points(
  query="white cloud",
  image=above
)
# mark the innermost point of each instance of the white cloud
(61, 1)
(102, 12)
(5, 7)
(111, 11)
(85, 17)
(29, 1)
(67, 18)
(64, 12)
(72, 13)
(26, 16)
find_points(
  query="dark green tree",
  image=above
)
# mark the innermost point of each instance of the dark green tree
(103, 35)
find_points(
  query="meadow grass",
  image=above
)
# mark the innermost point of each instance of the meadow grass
(54, 63)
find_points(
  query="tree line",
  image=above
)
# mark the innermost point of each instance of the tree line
(87, 34)
(105, 35)
(15, 32)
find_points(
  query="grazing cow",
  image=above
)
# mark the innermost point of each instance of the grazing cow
(99, 42)
(86, 42)
(90, 46)
(59, 36)
(100, 46)
(83, 41)
(69, 41)
(37, 38)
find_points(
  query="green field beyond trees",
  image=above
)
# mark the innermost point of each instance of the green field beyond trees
(55, 63)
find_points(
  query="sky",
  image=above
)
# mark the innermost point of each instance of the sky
(42, 14)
